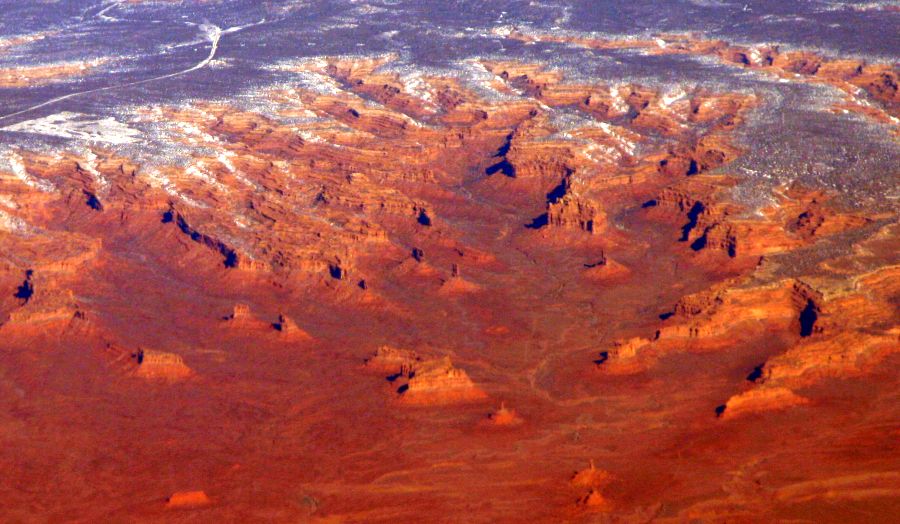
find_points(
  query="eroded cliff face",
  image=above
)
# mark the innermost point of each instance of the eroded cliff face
(376, 264)
(878, 80)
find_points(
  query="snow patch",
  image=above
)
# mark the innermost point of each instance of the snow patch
(618, 101)
(17, 167)
(90, 166)
(624, 142)
(224, 158)
(198, 173)
(158, 180)
(12, 224)
(78, 126)
(671, 97)
(8, 202)
(415, 85)
(755, 56)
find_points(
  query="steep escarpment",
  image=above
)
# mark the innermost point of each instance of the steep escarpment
(877, 80)
(849, 337)
(711, 320)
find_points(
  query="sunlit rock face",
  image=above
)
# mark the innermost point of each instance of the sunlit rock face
(291, 261)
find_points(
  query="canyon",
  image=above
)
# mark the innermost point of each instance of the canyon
(395, 295)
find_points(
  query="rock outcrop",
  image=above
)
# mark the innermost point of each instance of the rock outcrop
(572, 212)
(159, 365)
(591, 477)
(594, 500)
(880, 81)
(759, 400)
(504, 417)
(703, 322)
(242, 318)
(604, 268)
(188, 500)
(858, 335)
(388, 359)
(457, 285)
(289, 330)
(438, 382)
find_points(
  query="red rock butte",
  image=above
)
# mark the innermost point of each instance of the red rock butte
(187, 500)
